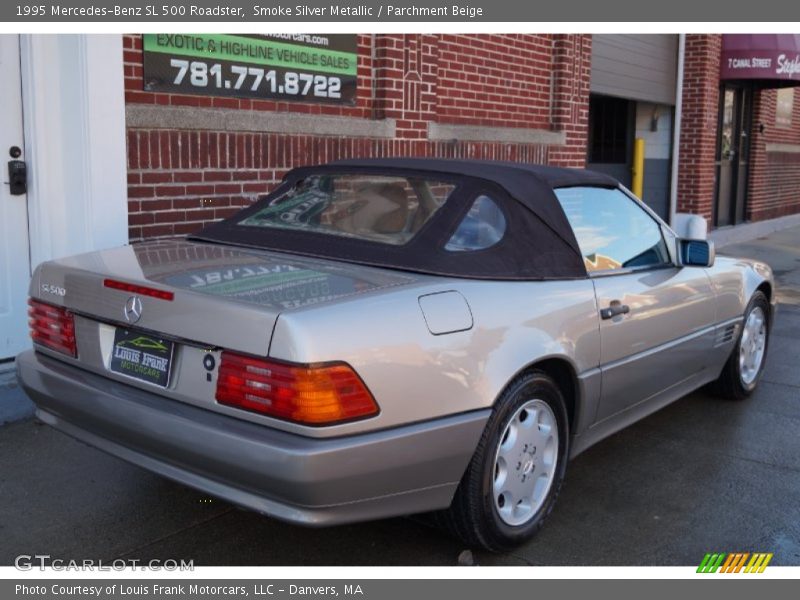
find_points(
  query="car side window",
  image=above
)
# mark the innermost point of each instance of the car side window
(482, 227)
(613, 232)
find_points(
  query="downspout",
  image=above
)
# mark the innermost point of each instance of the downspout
(676, 131)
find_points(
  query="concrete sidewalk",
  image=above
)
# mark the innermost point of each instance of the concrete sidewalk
(701, 475)
(14, 404)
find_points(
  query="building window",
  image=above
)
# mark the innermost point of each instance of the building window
(783, 109)
(609, 129)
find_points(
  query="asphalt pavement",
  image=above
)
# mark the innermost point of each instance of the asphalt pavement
(701, 475)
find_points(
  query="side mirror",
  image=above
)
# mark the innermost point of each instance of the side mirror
(692, 227)
(696, 253)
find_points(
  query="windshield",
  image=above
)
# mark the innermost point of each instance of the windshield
(386, 209)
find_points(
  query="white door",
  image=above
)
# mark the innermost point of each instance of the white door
(15, 262)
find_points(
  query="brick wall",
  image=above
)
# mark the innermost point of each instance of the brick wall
(774, 175)
(774, 185)
(572, 69)
(499, 80)
(181, 179)
(698, 139)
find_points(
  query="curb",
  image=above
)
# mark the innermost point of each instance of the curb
(747, 232)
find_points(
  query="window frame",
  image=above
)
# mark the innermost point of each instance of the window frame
(668, 236)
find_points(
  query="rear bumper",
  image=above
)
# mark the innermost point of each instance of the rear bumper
(309, 481)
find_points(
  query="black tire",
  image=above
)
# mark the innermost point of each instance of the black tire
(730, 385)
(472, 516)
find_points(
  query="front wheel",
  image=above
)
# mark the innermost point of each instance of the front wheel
(743, 370)
(514, 478)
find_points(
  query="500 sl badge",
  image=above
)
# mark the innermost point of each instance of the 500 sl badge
(56, 290)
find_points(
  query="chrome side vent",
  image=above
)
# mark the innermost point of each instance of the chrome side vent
(726, 334)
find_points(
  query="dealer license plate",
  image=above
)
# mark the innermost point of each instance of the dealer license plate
(142, 356)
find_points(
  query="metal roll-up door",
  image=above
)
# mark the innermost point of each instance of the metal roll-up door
(637, 67)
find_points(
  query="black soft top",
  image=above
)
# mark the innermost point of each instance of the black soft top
(539, 242)
(513, 176)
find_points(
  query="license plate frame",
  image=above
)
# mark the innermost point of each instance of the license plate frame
(141, 356)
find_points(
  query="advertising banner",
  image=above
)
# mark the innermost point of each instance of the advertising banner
(293, 67)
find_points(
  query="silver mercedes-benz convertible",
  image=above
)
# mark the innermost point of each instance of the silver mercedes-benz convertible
(392, 336)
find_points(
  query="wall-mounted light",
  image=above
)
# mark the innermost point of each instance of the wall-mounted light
(654, 118)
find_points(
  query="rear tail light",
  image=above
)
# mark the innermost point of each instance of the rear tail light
(314, 395)
(52, 327)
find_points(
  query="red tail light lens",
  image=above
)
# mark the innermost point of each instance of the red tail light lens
(314, 395)
(52, 326)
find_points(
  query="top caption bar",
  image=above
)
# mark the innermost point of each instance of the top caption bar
(365, 11)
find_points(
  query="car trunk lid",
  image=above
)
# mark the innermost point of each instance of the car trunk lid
(221, 296)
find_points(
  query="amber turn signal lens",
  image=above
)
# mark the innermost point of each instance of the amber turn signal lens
(313, 395)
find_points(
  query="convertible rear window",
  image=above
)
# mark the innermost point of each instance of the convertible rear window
(386, 209)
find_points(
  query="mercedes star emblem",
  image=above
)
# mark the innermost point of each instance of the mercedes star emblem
(133, 309)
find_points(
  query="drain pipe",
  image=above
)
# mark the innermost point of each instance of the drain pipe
(676, 131)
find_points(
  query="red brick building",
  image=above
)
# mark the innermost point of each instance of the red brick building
(732, 122)
(509, 97)
(195, 158)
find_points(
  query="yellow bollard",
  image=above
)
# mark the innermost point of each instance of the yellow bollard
(637, 183)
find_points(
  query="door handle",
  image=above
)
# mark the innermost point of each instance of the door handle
(616, 308)
(17, 177)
